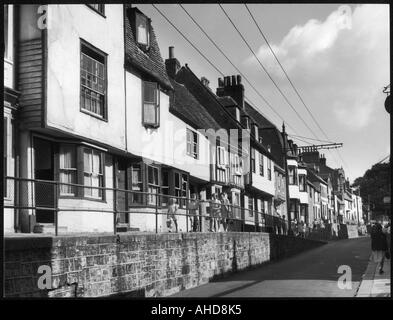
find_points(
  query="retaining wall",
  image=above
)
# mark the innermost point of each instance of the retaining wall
(147, 265)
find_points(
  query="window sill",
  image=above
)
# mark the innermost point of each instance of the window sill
(82, 198)
(94, 115)
(151, 126)
(96, 11)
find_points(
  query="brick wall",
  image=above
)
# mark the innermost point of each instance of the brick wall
(136, 264)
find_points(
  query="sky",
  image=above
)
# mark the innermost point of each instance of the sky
(337, 56)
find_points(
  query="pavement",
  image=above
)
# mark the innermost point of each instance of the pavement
(314, 273)
(375, 284)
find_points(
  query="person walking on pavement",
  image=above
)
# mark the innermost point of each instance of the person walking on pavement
(215, 209)
(171, 214)
(379, 246)
(225, 210)
(193, 207)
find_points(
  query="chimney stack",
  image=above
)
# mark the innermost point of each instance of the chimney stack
(172, 64)
(233, 88)
(171, 52)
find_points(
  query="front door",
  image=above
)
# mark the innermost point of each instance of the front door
(44, 172)
(121, 196)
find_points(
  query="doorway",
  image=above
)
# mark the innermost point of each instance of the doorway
(44, 190)
(121, 196)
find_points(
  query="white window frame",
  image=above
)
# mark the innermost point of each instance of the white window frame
(221, 157)
(147, 44)
(75, 170)
(8, 152)
(192, 144)
(101, 192)
(156, 104)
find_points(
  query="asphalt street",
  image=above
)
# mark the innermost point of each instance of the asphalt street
(313, 273)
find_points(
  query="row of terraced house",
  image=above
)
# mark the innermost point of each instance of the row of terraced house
(100, 131)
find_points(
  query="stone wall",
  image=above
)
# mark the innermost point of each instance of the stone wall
(147, 265)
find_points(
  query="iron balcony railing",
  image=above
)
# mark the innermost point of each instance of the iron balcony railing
(45, 199)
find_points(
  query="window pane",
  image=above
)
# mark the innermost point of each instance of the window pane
(141, 29)
(87, 182)
(149, 92)
(5, 31)
(150, 113)
(96, 162)
(87, 161)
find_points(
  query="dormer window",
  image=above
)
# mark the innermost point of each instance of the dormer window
(142, 30)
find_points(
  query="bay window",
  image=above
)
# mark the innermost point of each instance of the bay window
(136, 184)
(93, 176)
(292, 174)
(153, 184)
(269, 169)
(261, 167)
(250, 206)
(302, 183)
(67, 169)
(253, 160)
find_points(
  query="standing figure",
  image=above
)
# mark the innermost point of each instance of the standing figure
(171, 214)
(193, 207)
(379, 246)
(284, 225)
(225, 210)
(215, 209)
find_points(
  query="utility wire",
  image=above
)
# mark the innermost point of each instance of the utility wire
(287, 76)
(264, 69)
(233, 65)
(181, 33)
(311, 139)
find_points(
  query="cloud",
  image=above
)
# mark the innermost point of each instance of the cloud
(341, 63)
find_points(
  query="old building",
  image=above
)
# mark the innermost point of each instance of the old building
(11, 104)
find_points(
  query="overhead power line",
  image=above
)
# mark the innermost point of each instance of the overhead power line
(292, 135)
(265, 70)
(233, 65)
(199, 51)
(287, 76)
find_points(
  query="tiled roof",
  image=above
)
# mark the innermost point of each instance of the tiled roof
(185, 106)
(150, 61)
(227, 101)
(257, 117)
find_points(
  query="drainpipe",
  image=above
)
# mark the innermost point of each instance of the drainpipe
(286, 180)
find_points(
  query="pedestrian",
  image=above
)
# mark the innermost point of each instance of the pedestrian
(284, 225)
(386, 231)
(379, 246)
(193, 207)
(215, 209)
(171, 214)
(225, 211)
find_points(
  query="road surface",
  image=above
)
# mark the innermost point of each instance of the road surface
(313, 273)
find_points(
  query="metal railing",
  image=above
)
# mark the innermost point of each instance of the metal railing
(132, 210)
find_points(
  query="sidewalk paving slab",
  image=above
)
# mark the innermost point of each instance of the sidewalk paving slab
(375, 284)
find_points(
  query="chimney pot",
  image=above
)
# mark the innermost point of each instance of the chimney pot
(233, 80)
(171, 52)
(239, 79)
(220, 82)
